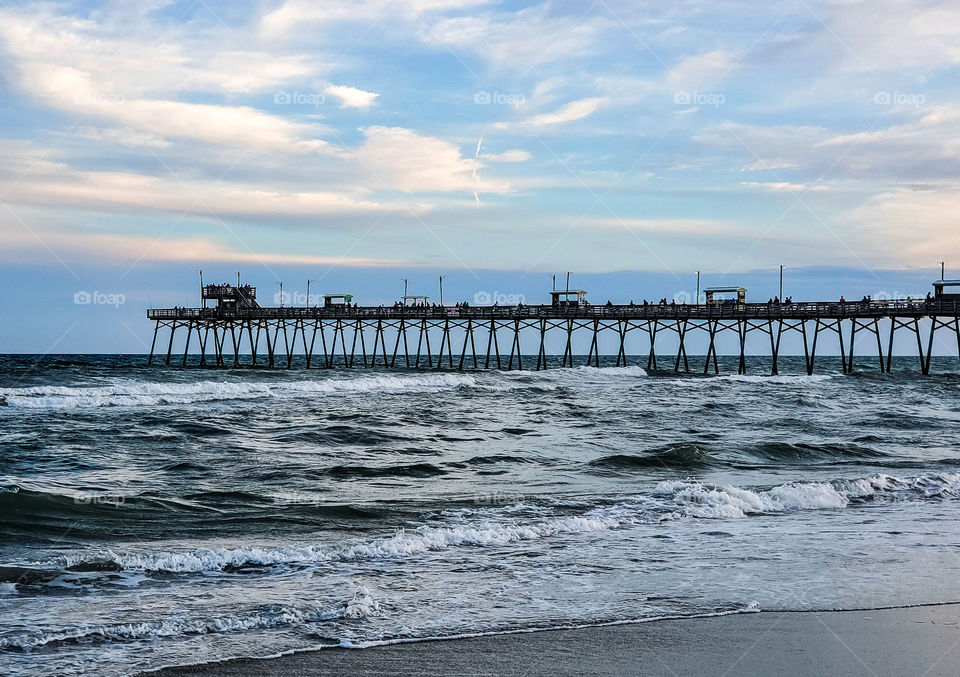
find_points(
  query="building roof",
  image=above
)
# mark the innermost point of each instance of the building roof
(947, 283)
(568, 292)
(338, 296)
(724, 289)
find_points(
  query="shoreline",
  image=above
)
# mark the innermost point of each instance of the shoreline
(922, 639)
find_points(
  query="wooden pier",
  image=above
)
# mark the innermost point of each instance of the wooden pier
(446, 337)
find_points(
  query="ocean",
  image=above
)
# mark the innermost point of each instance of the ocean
(163, 516)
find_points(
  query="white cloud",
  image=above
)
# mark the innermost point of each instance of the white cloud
(780, 186)
(701, 71)
(123, 136)
(694, 227)
(520, 40)
(136, 65)
(305, 16)
(18, 242)
(891, 35)
(909, 225)
(351, 97)
(768, 165)
(575, 110)
(404, 160)
(47, 182)
(507, 156)
(80, 67)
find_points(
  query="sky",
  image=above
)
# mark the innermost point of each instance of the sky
(358, 143)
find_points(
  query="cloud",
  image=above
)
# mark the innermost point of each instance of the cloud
(701, 70)
(575, 110)
(303, 17)
(124, 60)
(768, 165)
(45, 182)
(507, 156)
(128, 248)
(351, 97)
(889, 35)
(917, 226)
(123, 136)
(779, 186)
(401, 159)
(701, 228)
(520, 40)
(80, 67)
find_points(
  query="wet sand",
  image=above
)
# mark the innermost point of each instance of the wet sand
(913, 641)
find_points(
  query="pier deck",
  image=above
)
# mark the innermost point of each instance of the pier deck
(825, 310)
(340, 335)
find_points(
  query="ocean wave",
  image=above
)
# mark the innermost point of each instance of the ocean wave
(670, 500)
(696, 499)
(671, 456)
(361, 605)
(133, 393)
(402, 544)
(128, 392)
(408, 470)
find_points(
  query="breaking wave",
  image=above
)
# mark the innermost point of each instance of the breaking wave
(139, 393)
(361, 605)
(670, 500)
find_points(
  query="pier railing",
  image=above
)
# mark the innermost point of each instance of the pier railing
(803, 310)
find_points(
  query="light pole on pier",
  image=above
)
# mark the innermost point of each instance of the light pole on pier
(943, 269)
(203, 301)
(781, 284)
(698, 287)
(553, 277)
(281, 293)
(307, 302)
(441, 289)
(404, 289)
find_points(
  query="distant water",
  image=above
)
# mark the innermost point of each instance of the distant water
(158, 516)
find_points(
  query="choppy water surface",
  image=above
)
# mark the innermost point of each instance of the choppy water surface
(159, 516)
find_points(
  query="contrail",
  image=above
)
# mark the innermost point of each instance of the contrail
(476, 158)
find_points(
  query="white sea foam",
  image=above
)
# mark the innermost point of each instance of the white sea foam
(670, 500)
(802, 380)
(751, 607)
(131, 393)
(404, 543)
(361, 605)
(695, 499)
(126, 392)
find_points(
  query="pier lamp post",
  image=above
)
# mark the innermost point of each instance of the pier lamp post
(404, 290)
(442, 278)
(306, 303)
(698, 287)
(781, 284)
(281, 293)
(553, 277)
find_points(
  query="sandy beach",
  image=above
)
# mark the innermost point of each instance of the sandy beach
(906, 641)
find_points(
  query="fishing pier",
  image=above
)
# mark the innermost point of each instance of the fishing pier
(416, 335)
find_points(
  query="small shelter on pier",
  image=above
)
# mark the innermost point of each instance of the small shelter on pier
(414, 300)
(337, 300)
(231, 297)
(718, 296)
(947, 290)
(567, 297)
